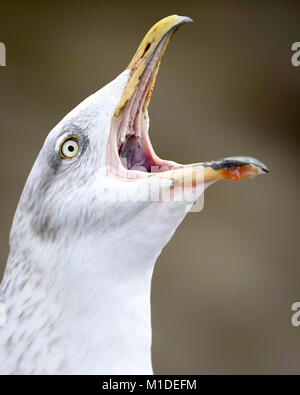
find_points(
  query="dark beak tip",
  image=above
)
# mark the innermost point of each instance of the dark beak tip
(265, 169)
(245, 160)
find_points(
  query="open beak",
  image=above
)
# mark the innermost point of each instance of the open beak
(131, 154)
(154, 44)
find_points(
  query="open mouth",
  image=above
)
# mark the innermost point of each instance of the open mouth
(130, 153)
(133, 143)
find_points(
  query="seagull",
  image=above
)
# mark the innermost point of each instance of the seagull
(96, 211)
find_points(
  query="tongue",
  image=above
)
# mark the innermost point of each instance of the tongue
(133, 156)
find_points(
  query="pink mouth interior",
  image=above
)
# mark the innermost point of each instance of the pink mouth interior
(130, 151)
(134, 156)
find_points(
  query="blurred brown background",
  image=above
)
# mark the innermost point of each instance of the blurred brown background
(224, 286)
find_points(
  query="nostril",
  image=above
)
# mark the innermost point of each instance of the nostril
(146, 49)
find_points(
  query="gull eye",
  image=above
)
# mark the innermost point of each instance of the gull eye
(69, 148)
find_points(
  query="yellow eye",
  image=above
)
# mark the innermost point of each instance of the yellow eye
(69, 147)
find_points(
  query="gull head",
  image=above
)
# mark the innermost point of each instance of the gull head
(98, 166)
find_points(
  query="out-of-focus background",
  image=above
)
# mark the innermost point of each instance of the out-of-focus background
(224, 286)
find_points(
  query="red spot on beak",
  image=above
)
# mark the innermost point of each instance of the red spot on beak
(238, 173)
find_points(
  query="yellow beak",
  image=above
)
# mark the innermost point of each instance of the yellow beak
(147, 59)
(158, 37)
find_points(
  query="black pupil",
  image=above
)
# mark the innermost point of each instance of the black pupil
(71, 148)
